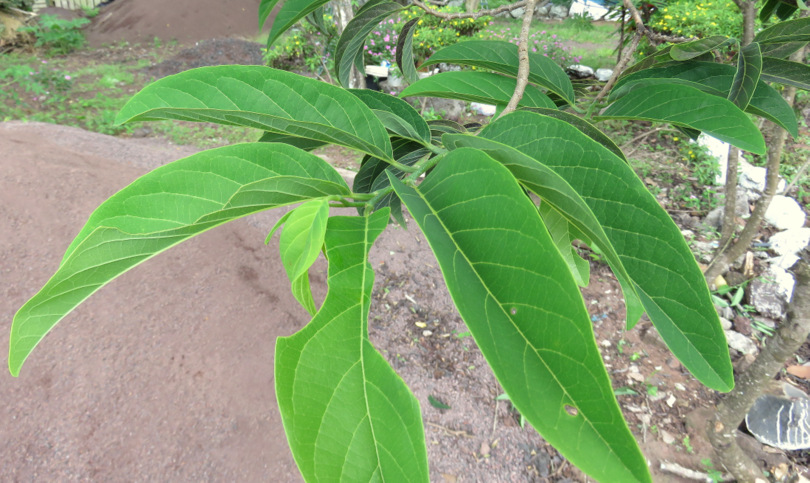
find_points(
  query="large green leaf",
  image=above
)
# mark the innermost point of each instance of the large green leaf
(689, 107)
(348, 416)
(524, 310)
(715, 79)
(501, 56)
(300, 243)
(749, 67)
(555, 191)
(797, 30)
(350, 43)
(587, 128)
(652, 250)
(264, 98)
(767, 9)
(291, 11)
(301, 143)
(397, 116)
(404, 54)
(786, 72)
(696, 48)
(163, 208)
(476, 87)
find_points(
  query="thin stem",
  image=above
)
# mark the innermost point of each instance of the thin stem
(473, 15)
(523, 59)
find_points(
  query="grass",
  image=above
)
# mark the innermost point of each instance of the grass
(73, 92)
(580, 42)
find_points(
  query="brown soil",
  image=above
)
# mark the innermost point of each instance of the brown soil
(186, 21)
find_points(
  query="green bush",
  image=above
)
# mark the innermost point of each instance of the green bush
(304, 46)
(689, 18)
(57, 35)
(433, 33)
(26, 5)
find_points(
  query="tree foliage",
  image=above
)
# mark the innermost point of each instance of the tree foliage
(506, 257)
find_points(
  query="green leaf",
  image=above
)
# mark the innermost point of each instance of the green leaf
(563, 234)
(715, 79)
(348, 416)
(749, 66)
(315, 18)
(521, 304)
(660, 56)
(696, 48)
(689, 107)
(502, 57)
(786, 72)
(587, 128)
(555, 191)
(652, 250)
(781, 51)
(300, 243)
(263, 98)
(397, 116)
(301, 143)
(436, 403)
(768, 9)
(404, 54)
(797, 30)
(476, 87)
(350, 44)
(160, 210)
(784, 11)
(291, 11)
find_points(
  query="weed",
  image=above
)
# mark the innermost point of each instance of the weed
(57, 35)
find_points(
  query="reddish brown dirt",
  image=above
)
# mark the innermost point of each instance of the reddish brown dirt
(186, 21)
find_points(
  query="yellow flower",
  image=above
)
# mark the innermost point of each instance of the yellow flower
(676, 138)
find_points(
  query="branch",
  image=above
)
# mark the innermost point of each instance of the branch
(523, 59)
(617, 71)
(473, 15)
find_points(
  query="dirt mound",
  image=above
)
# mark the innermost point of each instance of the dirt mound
(209, 52)
(186, 21)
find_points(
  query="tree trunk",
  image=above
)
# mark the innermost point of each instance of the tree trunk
(472, 5)
(789, 337)
(344, 14)
(749, 11)
(730, 207)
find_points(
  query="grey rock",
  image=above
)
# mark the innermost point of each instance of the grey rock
(580, 71)
(725, 313)
(483, 109)
(541, 11)
(558, 11)
(772, 292)
(740, 343)
(603, 75)
(725, 323)
(785, 213)
(714, 219)
(790, 242)
(518, 12)
(752, 179)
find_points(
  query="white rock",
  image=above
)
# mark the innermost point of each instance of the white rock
(719, 150)
(785, 213)
(603, 75)
(784, 261)
(725, 323)
(740, 343)
(589, 8)
(518, 12)
(558, 11)
(790, 242)
(752, 179)
(483, 109)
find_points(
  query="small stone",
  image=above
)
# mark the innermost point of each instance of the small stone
(770, 293)
(421, 325)
(666, 437)
(680, 386)
(740, 343)
(725, 323)
(785, 213)
(580, 71)
(427, 333)
(606, 343)
(671, 400)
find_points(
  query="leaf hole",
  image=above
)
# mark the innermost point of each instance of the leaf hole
(513, 311)
(571, 410)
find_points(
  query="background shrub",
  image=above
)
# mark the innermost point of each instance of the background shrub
(690, 18)
(57, 35)
(26, 5)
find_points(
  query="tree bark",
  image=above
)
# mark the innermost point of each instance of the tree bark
(344, 14)
(472, 5)
(730, 207)
(789, 337)
(749, 11)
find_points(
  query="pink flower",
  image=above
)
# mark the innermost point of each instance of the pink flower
(387, 38)
(67, 77)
